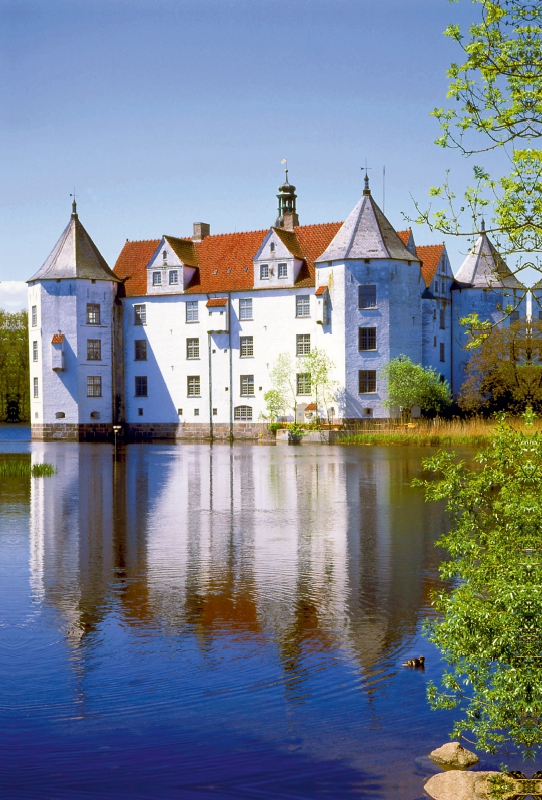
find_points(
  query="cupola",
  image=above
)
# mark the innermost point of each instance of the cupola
(287, 217)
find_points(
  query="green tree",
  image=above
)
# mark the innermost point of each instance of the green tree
(14, 365)
(320, 366)
(411, 385)
(488, 623)
(283, 389)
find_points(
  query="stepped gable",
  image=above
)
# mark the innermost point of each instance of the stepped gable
(367, 234)
(224, 261)
(430, 255)
(485, 268)
(75, 256)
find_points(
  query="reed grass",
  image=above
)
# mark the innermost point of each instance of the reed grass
(426, 433)
(15, 468)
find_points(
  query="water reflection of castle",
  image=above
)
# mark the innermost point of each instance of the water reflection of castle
(311, 553)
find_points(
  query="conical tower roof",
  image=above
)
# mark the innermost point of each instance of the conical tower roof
(485, 268)
(75, 256)
(367, 234)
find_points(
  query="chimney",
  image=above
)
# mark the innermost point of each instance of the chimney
(201, 230)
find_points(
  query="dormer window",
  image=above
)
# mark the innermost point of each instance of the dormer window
(173, 277)
(264, 272)
(156, 278)
(283, 270)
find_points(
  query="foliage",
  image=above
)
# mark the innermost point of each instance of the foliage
(320, 366)
(505, 372)
(488, 625)
(496, 92)
(296, 429)
(411, 384)
(282, 395)
(14, 363)
(275, 426)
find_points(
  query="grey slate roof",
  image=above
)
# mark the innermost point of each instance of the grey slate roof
(485, 268)
(366, 234)
(75, 256)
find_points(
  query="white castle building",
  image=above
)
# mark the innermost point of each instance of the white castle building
(179, 339)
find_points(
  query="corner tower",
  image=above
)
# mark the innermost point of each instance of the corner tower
(73, 340)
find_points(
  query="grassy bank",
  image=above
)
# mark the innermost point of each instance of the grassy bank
(425, 433)
(15, 468)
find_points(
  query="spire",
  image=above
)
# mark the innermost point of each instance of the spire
(366, 190)
(74, 206)
(287, 217)
(483, 226)
(484, 267)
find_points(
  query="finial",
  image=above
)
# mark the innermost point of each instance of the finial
(366, 179)
(483, 225)
(285, 161)
(74, 205)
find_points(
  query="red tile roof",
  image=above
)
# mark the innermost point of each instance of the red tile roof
(217, 302)
(404, 236)
(430, 255)
(320, 290)
(225, 260)
(58, 338)
(131, 263)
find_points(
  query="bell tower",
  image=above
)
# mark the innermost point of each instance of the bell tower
(287, 217)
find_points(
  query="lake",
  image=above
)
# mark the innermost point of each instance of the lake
(194, 621)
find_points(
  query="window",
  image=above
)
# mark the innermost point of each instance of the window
(272, 247)
(140, 314)
(246, 346)
(93, 313)
(173, 277)
(436, 287)
(156, 278)
(366, 296)
(243, 413)
(94, 350)
(442, 319)
(141, 386)
(434, 341)
(302, 344)
(303, 383)
(264, 272)
(434, 313)
(139, 412)
(367, 338)
(302, 305)
(34, 351)
(36, 388)
(245, 308)
(247, 385)
(196, 412)
(514, 316)
(192, 311)
(192, 348)
(193, 386)
(164, 255)
(140, 350)
(367, 381)
(283, 270)
(442, 352)
(34, 316)
(94, 386)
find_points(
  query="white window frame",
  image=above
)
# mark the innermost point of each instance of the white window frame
(303, 302)
(302, 383)
(193, 386)
(301, 348)
(34, 316)
(242, 413)
(192, 348)
(36, 387)
(34, 351)
(94, 386)
(192, 311)
(282, 270)
(246, 386)
(174, 277)
(140, 314)
(246, 346)
(156, 278)
(92, 313)
(264, 272)
(245, 308)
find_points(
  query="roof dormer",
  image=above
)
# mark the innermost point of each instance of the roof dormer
(172, 266)
(279, 260)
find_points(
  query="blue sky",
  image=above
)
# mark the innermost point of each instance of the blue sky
(166, 112)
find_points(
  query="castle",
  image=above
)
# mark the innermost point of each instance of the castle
(179, 339)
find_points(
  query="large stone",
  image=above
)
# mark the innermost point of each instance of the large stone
(458, 785)
(454, 755)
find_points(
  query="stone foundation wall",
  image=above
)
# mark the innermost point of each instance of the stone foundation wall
(141, 432)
